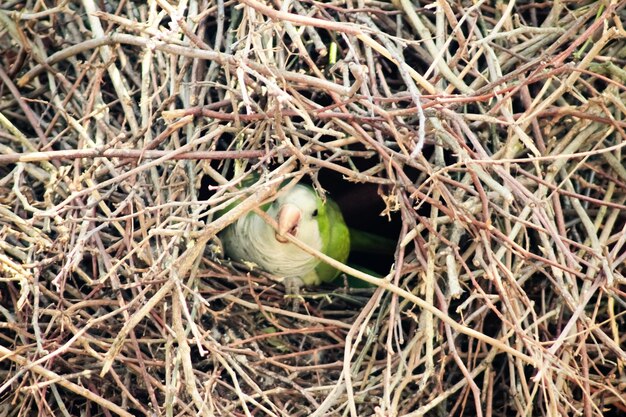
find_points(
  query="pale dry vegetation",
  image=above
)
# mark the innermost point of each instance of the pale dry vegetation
(490, 134)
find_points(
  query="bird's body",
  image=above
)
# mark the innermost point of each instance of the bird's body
(298, 211)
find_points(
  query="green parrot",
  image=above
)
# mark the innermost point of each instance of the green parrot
(298, 211)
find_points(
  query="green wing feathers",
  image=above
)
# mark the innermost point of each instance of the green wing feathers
(335, 237)
(370, 243)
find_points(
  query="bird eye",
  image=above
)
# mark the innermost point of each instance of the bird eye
(314, 214)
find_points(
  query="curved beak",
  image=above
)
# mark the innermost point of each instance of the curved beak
(288, 221)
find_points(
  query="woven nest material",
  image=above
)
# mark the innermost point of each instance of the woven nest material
(489, 135)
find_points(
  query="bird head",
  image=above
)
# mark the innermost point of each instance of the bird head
(296, 213)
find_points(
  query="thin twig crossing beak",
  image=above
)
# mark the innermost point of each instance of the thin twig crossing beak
(288, 221)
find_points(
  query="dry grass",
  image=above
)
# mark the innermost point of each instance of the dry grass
(490, 132)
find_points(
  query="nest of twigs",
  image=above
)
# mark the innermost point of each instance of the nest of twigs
(488, 135)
